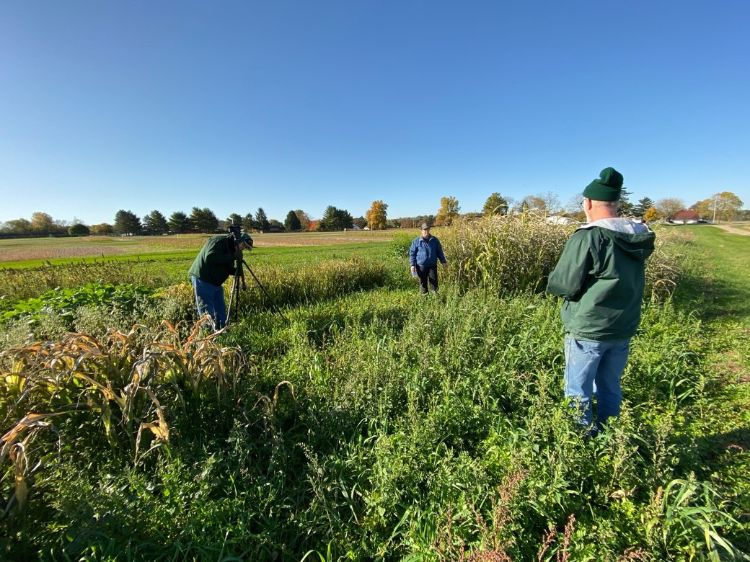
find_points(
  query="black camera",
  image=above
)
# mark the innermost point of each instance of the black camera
(235, 230)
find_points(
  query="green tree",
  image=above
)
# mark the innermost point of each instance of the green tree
(127, 222)
(203, 220)
(235, 219)
(17, 226)
(248, 222)
(448, 211)
(496, 204)
(292, 223)
(625, 208)
(377, 215)
(360, 222)
(179, 223)
(304, 219)
(261, 220)
(155, 224)
(335, 219)
(79, 229)
(643, 205)
(102, 229)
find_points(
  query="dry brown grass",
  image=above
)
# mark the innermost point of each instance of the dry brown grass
(120, 379)
(104, 246)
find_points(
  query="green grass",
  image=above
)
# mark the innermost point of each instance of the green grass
(261, 255)
(723, 290)
(383, 425)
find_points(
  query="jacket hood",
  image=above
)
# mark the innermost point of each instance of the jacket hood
(634, 239)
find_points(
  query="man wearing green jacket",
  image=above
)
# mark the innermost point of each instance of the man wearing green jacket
(212, 266)
(600, 276)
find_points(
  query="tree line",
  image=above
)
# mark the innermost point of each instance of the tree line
(723, 206)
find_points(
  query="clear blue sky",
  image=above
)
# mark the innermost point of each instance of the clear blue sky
(235, 105)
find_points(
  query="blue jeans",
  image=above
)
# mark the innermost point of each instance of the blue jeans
(210, 300)
(594, 368)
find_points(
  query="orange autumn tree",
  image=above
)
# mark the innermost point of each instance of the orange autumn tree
(377, 215)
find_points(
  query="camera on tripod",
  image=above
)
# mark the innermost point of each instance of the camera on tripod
(236, 231)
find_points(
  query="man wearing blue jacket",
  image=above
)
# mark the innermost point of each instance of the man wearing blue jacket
(424, 254)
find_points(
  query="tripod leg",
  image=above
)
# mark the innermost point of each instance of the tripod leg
(233, 300)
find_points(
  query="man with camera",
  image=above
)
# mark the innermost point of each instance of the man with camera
(216, 261)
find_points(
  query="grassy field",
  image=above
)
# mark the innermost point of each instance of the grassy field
(34, 252)
(368, 422)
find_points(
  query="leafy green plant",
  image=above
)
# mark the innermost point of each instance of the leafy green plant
(65, 302)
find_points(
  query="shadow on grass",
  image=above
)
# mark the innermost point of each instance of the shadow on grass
(713, 298)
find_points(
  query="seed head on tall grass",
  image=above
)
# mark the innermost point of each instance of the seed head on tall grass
(507, 254)
(516, 253)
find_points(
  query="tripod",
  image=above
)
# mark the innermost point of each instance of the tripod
(238, 284)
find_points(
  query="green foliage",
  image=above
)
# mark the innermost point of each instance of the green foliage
(335, 219)
(79, 229)
(292, 223)
(368, 423)
(504, 253)
(401, 243)
(203, 220)
(127, 223)
(64, 302)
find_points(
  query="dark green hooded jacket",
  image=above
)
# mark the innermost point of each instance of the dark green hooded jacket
(215, 262)
(601, 275)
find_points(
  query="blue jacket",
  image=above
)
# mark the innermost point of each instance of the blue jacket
(426, 252)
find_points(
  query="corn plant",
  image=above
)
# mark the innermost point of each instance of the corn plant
(113, 379)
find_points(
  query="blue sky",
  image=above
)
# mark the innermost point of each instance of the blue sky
(235, 105)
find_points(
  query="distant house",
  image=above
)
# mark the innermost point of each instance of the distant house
(686, 216)
(559, 219)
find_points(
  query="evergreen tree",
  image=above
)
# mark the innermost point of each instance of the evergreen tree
(179, 223)
(625, 208)
(155, 224)
(643, 205)
(248, 222)
(235, 219)
(204, 220)
(335, 219)
(292, 223)
(261, 220)
(127, 222)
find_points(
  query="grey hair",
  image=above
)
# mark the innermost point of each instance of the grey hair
(612, 205)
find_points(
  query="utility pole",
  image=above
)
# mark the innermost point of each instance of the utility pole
(714, 219)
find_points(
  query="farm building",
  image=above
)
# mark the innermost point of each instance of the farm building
(686, 216)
